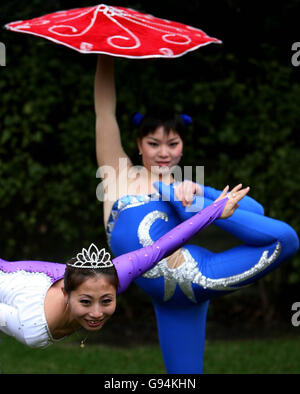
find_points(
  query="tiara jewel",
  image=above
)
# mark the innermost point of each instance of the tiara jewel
(92, 258)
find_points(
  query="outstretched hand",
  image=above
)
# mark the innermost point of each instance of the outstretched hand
(234, 196)
(186, 191)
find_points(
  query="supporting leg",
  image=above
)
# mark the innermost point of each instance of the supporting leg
(182, 337)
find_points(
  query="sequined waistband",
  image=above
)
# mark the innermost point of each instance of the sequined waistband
(125, 202)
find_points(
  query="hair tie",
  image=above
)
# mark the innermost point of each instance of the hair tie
(186, 119)
(137, 118)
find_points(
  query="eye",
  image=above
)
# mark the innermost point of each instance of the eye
(152, 144)
(107, 301)
(85, 302)
(173, 144)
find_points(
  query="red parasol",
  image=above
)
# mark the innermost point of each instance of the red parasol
(115, 31)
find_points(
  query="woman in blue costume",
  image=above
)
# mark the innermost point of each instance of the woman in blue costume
(135, 215)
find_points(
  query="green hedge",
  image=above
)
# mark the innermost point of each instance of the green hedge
(244, 97)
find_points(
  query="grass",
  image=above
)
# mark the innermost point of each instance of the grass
(270, 356)
(68, 358)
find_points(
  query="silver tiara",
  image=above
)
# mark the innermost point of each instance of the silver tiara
(92, 258)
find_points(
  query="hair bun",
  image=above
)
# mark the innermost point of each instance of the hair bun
(186, 119)
(137, 118)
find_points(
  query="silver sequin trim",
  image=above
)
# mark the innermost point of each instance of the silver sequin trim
(146, 223)
(188, 272)
(124, 203)
(225, 283)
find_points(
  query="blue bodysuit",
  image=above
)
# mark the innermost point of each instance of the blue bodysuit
(181, 295)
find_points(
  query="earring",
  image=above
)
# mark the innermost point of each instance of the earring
(140, 153)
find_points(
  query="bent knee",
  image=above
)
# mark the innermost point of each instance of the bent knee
(289, 240)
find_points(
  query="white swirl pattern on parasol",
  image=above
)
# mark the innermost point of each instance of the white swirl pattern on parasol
(128, 40)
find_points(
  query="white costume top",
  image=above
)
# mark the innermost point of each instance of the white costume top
(23, 287)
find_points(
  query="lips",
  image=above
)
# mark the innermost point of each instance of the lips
(163, 163)
(94, 323)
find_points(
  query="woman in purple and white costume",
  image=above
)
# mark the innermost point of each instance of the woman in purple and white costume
(41, 302)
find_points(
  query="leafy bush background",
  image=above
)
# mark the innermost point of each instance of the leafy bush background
(243, 95)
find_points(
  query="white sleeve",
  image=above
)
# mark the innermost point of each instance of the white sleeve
(10, 322)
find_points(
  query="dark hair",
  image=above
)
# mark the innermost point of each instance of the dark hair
(151, 121)
(74, 277)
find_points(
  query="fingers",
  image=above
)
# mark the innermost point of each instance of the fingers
(233, 199)
(237, 188)
(199, 190)
(187, 200)
(224, 193)
(240, 194)
(225, 190)
(185, 192)
(243, 192)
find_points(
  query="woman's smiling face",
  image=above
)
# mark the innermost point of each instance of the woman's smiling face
(93, 302)
(160, 149)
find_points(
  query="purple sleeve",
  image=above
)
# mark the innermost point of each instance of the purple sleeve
(55, 271)
(131, 265)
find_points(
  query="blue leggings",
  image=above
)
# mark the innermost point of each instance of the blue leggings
(181, 321)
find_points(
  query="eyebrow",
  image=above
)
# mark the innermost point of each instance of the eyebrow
(157, 140)
(104, 295)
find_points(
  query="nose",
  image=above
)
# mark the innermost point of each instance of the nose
(164, 151)
(96, 312)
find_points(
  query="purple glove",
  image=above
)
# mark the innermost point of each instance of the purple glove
(131, 265)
